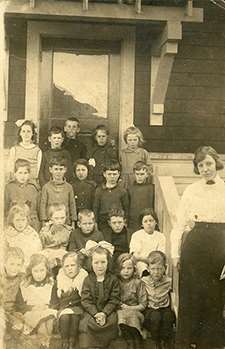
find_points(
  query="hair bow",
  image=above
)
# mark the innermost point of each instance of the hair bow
(91, 246)
(20, 122)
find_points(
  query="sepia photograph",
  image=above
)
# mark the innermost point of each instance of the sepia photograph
(112, 155)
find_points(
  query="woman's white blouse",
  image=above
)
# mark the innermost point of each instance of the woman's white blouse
(200, 202)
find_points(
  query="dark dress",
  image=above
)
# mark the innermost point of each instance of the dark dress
(99, 297)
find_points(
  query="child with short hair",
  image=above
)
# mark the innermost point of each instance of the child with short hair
(100, 298)
(55, 234)
(84, 189)
(55, 138)
(26, 149)
(66, 298)
(133, 152)
(86, 230)
(141, 194)
(110, 195)
(12, 277)
(71, 142)
(33, 299)
(20, 234)
(146, 239)
(133, 301)
(159, 316)
(118, 235)
(102, 151)
(21, 190)
(58, 190)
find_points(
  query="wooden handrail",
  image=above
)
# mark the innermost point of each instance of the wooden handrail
(166, 205)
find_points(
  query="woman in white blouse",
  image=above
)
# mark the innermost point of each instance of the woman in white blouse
(198, 248)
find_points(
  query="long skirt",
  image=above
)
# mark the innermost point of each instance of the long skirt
(201, 292)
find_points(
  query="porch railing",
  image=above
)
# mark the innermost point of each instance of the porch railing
(166, 205)
(136, 3)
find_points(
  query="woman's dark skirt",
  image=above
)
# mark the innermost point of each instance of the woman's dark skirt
(201, 292)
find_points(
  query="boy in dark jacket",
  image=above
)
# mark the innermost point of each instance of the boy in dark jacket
(71, 142)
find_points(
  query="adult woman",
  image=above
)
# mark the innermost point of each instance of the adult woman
(200, 236)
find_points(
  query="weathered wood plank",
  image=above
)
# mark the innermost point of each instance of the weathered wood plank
(199, 92)
(195, 79)
(200, 66)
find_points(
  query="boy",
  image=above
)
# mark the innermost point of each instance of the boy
(141, 194)
(84, 189)
(22, 190)
(118, 232)
(12, 277)
(55, 138)
(55, 234)
(86, 231)
(71, 143)
(109, 195)
(58, 190)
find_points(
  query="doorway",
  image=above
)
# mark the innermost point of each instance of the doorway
(80, 78)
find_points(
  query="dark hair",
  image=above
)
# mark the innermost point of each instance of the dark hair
(55, 130)
(200, 155)
(156, 257)
(74, 119)
(33, 128)
(85, 213)
(123, 258)
(58, 162)
(116, 212)
(149, 212)
(111, 165)
(99, 128)
(83, 162)
(139, 165)
(22, 163)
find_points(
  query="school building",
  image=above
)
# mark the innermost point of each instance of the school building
(158, 64)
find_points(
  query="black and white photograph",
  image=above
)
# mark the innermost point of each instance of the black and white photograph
(112, 166)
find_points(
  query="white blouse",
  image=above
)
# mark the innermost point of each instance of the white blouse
(200, 202)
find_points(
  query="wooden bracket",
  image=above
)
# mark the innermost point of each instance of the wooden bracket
(163, 52)
(189, 8)
(138, 6)
(85, 5)
(32, 3)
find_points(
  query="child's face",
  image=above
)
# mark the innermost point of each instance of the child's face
(127, 270)
(71, 267)
(57, 172)
(71, 129)
(26, 133)
(22, 175)
(99, 264)
(56, 140)
(117, 223)
(157, 271)
(59, 217)
(86, 224)
(13, 266)
(101, 137)
(111, 176)
(81, 172)
(141, 175)
(148, 224)
(20, 222)
(39, 272)
(132, 141)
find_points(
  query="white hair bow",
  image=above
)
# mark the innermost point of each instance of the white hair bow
(91, 246)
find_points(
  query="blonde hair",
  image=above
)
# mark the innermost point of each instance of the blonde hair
(85, 213)
(134, 131)
(21, 209)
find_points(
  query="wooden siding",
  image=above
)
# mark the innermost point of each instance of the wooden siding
(195, 101)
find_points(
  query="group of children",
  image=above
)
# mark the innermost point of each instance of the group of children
(83, 252)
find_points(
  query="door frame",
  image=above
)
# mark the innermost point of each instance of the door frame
(90, 31)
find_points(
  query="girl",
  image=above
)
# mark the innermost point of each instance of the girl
(133, 301)
(33, 299)
(132, 153)
(159, 317)
(103, 151)
(26, 148)
(146, 239)
(20, 234)
(100, 299)
(66, 298)
(84, 189)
